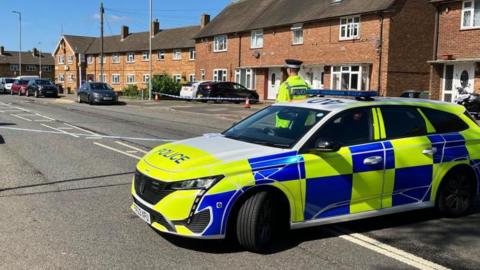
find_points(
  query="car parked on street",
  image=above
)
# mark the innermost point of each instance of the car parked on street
(189, 90)
(96, 93)
(18, 87)
(6, 85)
(41, 87)
(226, 90)
(415, 94)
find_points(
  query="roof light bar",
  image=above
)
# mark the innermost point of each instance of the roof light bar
(342, 93)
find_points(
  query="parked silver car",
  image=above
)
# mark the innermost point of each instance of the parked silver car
(96, 93)
(6, 85)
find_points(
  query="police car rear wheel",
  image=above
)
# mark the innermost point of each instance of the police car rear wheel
(255, 222)
(456, 195)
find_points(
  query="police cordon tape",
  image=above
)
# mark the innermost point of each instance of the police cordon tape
(204, 98)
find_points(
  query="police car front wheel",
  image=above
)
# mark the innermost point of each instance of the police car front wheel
(456, 195)
(257, 222)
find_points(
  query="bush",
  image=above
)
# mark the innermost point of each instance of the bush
(166, 85)
(131, 90)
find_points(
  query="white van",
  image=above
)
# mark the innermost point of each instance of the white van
(6, 85)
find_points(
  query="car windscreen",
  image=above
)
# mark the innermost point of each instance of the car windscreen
(9, 80)
(276, 126)
(22, 82)
(43, 82)
(99, 86)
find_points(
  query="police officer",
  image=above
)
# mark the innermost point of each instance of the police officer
(293, 89)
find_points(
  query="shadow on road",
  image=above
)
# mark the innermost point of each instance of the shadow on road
(429, 227)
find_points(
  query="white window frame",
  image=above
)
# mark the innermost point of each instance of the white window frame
(248, 80)
(116, 79)
(115, 58)
(14, 67)
(191, 77)
(90, 59)
(348, 25)
(130, 57)
(70, 59)
(145, 78)
(47, 68)
(31, 68)
(220, 43)
(102, 78)
(104, 59)
(297, 28)
(471, 9)
(192, 54)
(362, 74)
(145, 56)
(70, 78)
(224, 73)
(161, 55)
(256, 39)
(129, 79)
(202, 74)
(61, 59)
(61, 77)
(177, 54)
(177, 78)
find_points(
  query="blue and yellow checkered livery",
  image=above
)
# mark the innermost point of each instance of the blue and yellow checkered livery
(320, 187)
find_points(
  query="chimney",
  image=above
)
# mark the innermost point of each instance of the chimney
(204, 20)
(2, 50)
(124, 32)
(155, 27)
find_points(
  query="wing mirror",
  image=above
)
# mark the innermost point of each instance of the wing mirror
(327, 146)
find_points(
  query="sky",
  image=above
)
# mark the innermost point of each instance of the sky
(44, 20)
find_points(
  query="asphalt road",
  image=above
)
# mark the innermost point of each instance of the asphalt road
(65, 198)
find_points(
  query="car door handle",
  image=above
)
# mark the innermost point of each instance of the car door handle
(430, 152)
(373, 160)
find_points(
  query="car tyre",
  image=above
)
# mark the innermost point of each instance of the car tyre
(79, 99)
(256, 222)
(456, 195)
(26, 93)
(19, 92)
(90, 101)
(36, 95)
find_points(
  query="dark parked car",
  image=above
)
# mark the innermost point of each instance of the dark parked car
(415, 94)
(96, 93)
(226, 90)
(18, 87)
(41, 87)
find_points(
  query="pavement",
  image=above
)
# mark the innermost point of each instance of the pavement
(65, 198)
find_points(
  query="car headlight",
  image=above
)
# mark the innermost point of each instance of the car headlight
(40, 88)
(200, 183)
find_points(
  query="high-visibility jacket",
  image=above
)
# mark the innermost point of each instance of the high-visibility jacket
(293, 89)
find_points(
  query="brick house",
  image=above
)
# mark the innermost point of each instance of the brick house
(456, 63)
(30, 64)
(379, 45)
(126, 58)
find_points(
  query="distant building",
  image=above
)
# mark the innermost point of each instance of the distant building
(379, 45)
(126, 58)
(30, 64)
(456, 63)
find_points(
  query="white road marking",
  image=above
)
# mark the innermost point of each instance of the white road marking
(81, 129)
(65, 128)
(132, 151)
(21, 117)
(46, 117)
(116, 150)
(132, 147)
(386, 250)
(62, 131)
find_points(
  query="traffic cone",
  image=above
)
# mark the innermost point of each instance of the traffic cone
(247, 104)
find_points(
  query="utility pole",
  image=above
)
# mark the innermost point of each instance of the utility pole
(150, 54)
(40, 58)
(20, 39)
(102, 12)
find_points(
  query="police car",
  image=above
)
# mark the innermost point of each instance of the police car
(338, 159)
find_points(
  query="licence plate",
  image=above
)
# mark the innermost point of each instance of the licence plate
(107, 98)
(49, 92)
(144, 215)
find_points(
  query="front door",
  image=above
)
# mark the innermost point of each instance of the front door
(458, 79)
(274, 81)
(350, 180)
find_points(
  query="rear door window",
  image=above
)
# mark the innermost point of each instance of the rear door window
(403, 122)
(444, 122)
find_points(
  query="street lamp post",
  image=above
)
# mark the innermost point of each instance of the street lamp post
(20, 39)
(150, 54)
